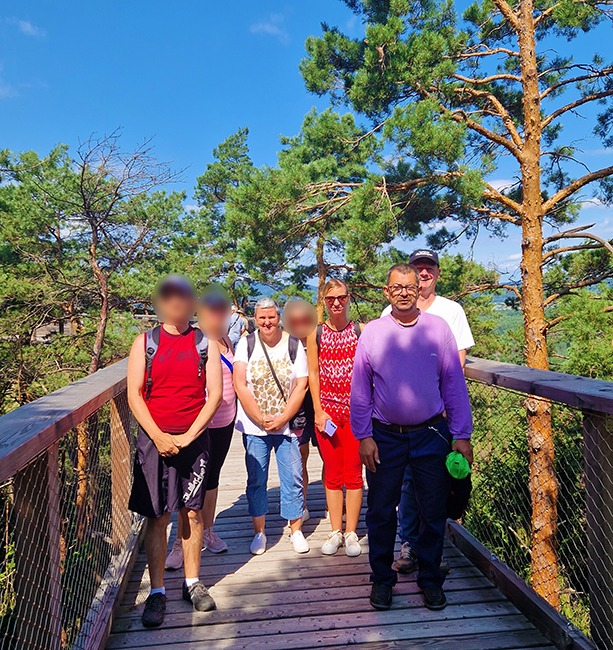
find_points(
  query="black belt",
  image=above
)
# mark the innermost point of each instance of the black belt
(407, 428)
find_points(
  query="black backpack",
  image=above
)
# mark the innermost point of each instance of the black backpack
(292, 346)
(152, 343)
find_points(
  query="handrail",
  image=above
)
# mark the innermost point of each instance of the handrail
(31, 429)
(579, 392)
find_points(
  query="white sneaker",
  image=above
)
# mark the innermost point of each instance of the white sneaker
(258, 545)
(299, 542)
(212, 543)
(333, 543)
(174, 561)
(352, 545)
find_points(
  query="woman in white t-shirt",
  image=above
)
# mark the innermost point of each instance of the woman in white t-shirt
(270, 379)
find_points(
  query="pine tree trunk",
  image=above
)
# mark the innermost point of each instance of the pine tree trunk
(321, 277)
(543, 481)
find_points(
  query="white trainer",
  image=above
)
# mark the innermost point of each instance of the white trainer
(174, 561)
(333, 543)
(213, 543)
(299, 542)
(258, 545)
(352, 545)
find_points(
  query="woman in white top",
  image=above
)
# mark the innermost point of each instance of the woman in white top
(270, 379)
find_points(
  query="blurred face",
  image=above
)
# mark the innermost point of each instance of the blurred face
(337, 301)
(429, 273)
(299, 319)
(214, 320)
(402, 291)
(175, 305)
(267, 321)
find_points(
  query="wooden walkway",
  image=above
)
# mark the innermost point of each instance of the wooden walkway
(281, 600)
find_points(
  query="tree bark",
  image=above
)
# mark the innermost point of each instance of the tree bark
(321, 276)
(103, 314)
(543, 480)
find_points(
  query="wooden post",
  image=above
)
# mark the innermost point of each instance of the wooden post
(38, 591)
(598, 455)
(120, 470)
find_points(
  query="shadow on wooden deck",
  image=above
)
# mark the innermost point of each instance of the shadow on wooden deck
(282, 600)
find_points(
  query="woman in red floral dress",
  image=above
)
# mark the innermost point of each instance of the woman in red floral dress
(331, 350)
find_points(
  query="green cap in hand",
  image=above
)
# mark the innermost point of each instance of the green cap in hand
(457, 465)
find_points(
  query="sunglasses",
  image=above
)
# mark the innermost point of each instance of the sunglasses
(330, 300)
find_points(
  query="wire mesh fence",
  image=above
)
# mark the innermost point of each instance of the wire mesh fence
(532, 504)
(66, 530)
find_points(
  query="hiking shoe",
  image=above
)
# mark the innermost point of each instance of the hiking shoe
(198, 595)
(352, 545)
(212, 543)
(155, 607)
(381, 596)
(258, 545)
(333, 543)
(299, 542)
(434, 598)
(174, 561)
(406, 562)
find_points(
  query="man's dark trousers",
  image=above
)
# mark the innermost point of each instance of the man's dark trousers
(424, 450)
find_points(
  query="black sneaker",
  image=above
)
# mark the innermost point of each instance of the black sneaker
(198, 595)
(434, 598)
(381, 596)
(155, 607)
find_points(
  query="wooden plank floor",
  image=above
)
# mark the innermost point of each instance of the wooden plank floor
(282, 600)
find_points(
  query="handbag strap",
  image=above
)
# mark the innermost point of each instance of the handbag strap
(272, 369)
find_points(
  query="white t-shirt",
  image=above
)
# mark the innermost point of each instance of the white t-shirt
(262, 385)
(453, 313)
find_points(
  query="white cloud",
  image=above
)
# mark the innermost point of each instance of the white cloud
(515, 256)
(6, 89)
(592, 204)
(273, 26)
(26, 27)
(502, 183)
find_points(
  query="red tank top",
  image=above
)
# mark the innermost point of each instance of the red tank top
(336, 355)
(177, 392)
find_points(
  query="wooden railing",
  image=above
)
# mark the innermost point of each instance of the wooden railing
(581, 413)
(65, 472)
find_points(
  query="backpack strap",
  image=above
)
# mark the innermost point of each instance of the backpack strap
(152, 343)
(202, 348)
(357, 328)
(292, 347)
(320, 328)
(250, 344)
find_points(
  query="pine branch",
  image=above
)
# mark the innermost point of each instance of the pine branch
(575, 186)
(573, 105)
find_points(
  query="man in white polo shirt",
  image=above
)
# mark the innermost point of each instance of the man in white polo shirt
(427, 263)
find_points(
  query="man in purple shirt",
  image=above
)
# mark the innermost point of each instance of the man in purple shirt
(406, 374)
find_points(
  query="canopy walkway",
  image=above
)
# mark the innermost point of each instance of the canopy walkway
(72, 575)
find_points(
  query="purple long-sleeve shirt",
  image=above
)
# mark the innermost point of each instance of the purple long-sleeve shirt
(407, 375)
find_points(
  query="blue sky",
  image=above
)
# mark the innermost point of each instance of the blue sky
(189, 73)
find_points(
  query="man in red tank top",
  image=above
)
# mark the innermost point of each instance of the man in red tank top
(173, 402)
